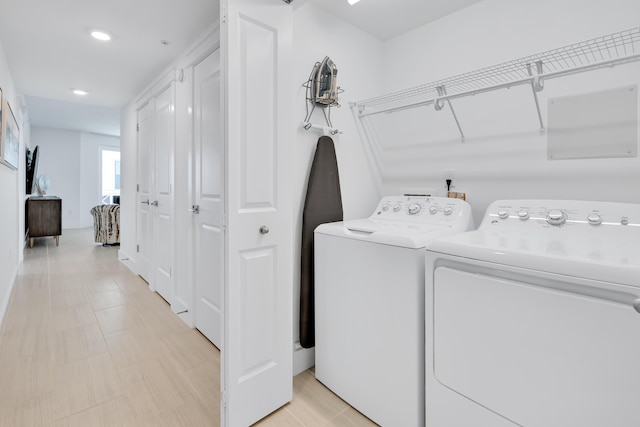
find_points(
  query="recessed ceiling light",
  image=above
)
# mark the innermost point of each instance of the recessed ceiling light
(352, 2)
(100, 35)
(80, 92)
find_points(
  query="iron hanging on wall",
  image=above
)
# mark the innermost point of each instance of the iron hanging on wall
(322, 90)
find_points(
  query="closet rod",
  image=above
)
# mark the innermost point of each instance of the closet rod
(527, 80)
(608, 50)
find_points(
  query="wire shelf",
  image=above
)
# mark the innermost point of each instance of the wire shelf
(611, 49)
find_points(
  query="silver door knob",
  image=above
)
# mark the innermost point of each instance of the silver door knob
(155, 204)
(264, 229)
(195, 209)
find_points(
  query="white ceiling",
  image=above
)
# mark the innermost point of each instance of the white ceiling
(386, 19)
(49, 50)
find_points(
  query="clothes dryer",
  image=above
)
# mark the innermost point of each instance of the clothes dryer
(369, 304)
(533, 319)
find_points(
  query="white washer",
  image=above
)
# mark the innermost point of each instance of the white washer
(534, 319)
(369, 304)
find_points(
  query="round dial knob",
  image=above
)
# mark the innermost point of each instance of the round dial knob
(624, 221)
(556, 217)
(396, 207)
(503, 214)
(523, 215)
(447, 210)
(594, 219)
(385, 206)
(414, 208)
(433, 210)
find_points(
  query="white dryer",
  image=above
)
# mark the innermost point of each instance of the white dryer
(369, 304)
(533, 320)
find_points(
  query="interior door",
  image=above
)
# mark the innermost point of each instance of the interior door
(162, 205)
(143, 217)
(209, 198)
(258, 341)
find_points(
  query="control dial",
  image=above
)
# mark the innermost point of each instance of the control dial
(414, 208)
(594, 219)
(396, 207)
(523, 215)
(385, 206)
(433, 210)
(448, 210)
(556, 217)
(503, 214)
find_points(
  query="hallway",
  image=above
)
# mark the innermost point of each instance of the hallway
(85, 343)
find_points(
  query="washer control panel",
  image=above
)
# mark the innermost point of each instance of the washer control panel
(421, 209)
(561, 213)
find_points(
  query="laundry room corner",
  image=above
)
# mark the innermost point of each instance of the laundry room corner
(318, 34)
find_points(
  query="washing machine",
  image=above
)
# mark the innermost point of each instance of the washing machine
(533, 319)
(369, 304)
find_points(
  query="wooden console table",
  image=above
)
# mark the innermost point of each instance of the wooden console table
(44, 217)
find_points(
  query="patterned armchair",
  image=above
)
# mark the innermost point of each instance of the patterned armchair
(106, 224)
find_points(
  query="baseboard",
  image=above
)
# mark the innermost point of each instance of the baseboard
(5, 303)
(303, 358)
(127, 261)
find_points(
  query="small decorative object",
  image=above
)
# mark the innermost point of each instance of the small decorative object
(322, 89)
(10, 137)
(42, 185)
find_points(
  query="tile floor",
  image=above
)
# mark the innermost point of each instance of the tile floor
(85, 343)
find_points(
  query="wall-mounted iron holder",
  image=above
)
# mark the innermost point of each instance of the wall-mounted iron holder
(322, 90)
(606, 51)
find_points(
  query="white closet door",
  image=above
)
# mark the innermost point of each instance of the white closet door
(143, 218)
(257, 349)
(209, 198)
(162, 205)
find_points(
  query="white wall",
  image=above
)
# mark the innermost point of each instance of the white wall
(504, 156)
(12, 189)
(355, 53)
(71, 160)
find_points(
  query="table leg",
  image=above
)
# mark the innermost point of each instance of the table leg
(57, 240)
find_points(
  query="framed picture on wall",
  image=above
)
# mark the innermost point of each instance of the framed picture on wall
(1, 102)
(10, 137)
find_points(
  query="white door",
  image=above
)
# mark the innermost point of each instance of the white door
(162, 204)
(258, 341)
(209, 198)
(143, 218)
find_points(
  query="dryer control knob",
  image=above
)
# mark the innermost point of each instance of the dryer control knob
(447, 210)
(414, 208)
(503, 214)
(594, 219)
(385, 206)
(523, 215)
(396, 207)
(433, 210)
(556, 217)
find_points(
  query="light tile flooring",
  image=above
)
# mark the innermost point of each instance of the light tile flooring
(85, 343)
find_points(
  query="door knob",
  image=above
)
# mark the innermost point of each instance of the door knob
(155, 204)
(264, 229)
(195, 209)
(145, 202)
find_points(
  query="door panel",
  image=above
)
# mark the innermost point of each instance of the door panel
(143, 218)
(209, 189)
(257, 354)
(542, 353)
(162, 208)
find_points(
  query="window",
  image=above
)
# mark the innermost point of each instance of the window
(110, 176)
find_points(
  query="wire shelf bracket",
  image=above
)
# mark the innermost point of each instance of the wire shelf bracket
(601, 52)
